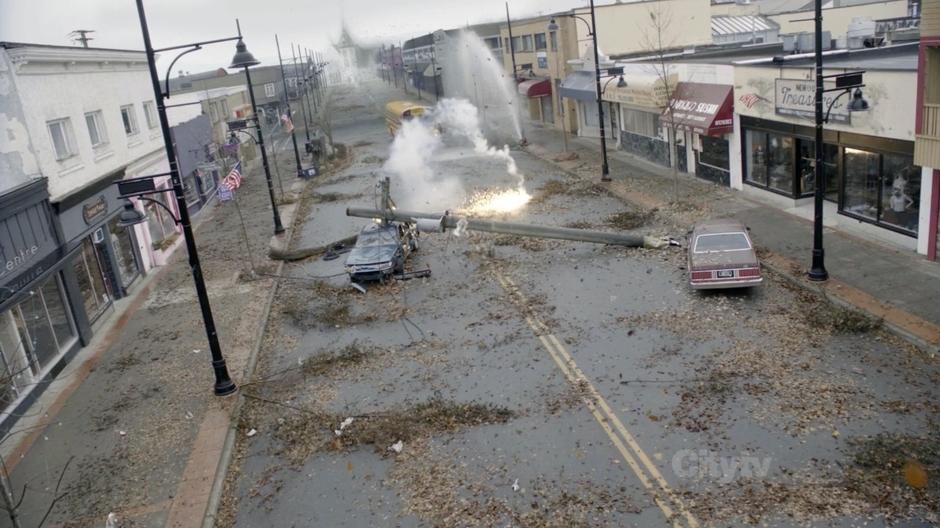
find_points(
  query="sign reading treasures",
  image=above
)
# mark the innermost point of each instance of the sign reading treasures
(797, 97)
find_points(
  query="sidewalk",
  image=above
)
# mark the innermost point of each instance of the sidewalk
(899, 287)
(132, 426)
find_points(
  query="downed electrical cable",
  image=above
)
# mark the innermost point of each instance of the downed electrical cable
(304, 253)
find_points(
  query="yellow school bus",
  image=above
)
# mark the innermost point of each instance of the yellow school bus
(398, 111)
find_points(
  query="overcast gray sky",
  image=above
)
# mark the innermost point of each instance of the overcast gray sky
(310, 23)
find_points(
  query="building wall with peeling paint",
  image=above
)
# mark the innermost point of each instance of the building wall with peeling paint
(18, 161)
(45, 83)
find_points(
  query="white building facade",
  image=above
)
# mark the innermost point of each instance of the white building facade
(73, 121)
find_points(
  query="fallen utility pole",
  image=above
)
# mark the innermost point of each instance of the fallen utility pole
(450, 221)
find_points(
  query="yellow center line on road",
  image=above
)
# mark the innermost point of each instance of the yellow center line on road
(602, 412)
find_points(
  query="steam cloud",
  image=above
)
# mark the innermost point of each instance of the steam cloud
(414, 163)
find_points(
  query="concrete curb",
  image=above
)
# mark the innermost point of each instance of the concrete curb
(228, 447)
(931, 347)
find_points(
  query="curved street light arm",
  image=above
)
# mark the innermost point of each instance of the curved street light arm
(161, 204)
(586, 23)
(166, 90)
(253, 139)
(833, 103)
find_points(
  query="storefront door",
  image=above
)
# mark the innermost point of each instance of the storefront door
(96, 295)
(548, 113)
(122, 242)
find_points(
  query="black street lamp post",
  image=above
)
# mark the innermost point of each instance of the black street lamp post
(293, 132)
(244, 59)
(223, 382)
(552, 26)
(512, 55)
(845, 83)
(301, 80)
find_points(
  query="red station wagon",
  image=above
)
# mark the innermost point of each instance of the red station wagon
(721, 255)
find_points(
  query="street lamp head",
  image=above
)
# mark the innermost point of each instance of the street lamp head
(621, 83)
(858, 103)
(130, 216)
(552, 26)
(243, 58)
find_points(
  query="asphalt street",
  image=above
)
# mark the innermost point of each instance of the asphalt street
(531, 382)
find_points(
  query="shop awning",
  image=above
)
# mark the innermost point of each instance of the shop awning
(702, 108)
(579, 85)
(643, 91)
(535, 87)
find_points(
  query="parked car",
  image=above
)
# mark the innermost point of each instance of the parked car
(721, 255)
(381, 250)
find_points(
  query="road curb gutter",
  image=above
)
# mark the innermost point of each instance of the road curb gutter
(228, 447)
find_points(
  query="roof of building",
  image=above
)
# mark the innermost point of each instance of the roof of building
(14, 45)
(744, 24)
(418, 42)
(902, 57)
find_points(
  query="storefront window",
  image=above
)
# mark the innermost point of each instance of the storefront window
(884, 188)
(123, 245)
(206, 180)
(159, 222)
(641, 123)
(33, 333)
(589, 113)
(714, 152)
(780, 163)
(861, 183)
(95, 294)
(190, 190)
(770, 160)
(756, 146)
(900, 192)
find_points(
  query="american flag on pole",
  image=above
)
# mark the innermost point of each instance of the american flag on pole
(234, 178)
(288, 124)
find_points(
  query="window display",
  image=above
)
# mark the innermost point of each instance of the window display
(900, 192)
(883, 188)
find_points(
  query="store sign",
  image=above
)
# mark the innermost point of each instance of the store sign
(797, 97)
(94, 211)
(79, 220)
(542, 59)
(26, 240)
(649, 95)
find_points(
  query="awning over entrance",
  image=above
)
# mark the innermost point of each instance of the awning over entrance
(535, 87)
(702, 108)
(579, 85)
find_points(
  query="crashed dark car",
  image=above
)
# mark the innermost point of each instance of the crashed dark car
(381, 250)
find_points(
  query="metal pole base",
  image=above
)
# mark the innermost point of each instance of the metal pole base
(605, 173)
(818, 271)
(223, 382)
(278, 230)
(225, 388)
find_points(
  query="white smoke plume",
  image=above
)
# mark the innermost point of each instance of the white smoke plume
(420, 179)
